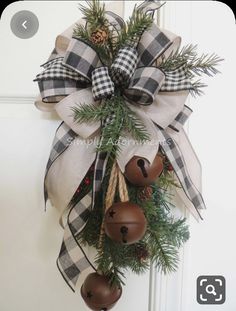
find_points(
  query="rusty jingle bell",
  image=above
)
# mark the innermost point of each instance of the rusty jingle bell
(98, 294)
(125, 223)
(140, 172)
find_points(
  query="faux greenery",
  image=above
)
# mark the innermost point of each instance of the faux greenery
(195, 65)
(94, 14)
(135, 27)
(117, 120)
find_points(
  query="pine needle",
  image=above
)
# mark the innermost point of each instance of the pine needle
(135, 27)
(94, 14)
(88, 113)
(195, 65)
(122, 120)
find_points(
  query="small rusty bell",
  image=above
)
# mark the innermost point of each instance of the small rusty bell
(125, 223)
(140, 172)
(98, 294)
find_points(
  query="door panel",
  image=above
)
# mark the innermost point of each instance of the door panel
(30, 239)
(210, 250)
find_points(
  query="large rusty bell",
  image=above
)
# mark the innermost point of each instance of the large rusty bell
(98, 294)
(125, 223)
(140, 172)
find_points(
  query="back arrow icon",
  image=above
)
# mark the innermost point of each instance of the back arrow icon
(24, 24)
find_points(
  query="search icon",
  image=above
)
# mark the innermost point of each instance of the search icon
(210, 289)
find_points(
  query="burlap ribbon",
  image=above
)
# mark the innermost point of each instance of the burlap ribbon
(74, 75)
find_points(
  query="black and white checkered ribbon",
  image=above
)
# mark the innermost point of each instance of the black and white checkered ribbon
(72, 259)
(124, 65)
(181, 119)
(174, 155)
(177, 80)
(102, 84)
(64, 136)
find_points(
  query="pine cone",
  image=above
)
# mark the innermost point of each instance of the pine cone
(99, 36)
(141, 252)
(145, 194)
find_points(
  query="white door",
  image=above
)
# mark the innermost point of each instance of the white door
(30, 239)
(211, 249)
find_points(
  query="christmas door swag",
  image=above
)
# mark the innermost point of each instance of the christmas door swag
(121, 156)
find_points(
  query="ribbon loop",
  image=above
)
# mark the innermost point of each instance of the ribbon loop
(81, 58)
(153, 43)
(177, 80)
(144, 85)
(57, 81)
(115, 20)
(102, 85)
(124, 65)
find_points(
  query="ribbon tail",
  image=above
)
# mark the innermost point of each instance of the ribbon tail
(173, 153)
(69, 161)
(150, 6)
(63, 138)
(99, 172)
(72, 258)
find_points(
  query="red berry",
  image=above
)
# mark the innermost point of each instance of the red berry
(87, 181)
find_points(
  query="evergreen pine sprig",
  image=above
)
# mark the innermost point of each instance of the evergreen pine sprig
(195, 65)
(134, 125)
(122, 120)
(197, 88)
(188, 56)
(135, 27)
(167, 181)
(89, 113)
(164, 241)
(205, 64)
(130, 34)
(94, 14)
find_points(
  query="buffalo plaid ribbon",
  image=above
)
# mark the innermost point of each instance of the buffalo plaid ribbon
(72, 258)
(174, 155)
